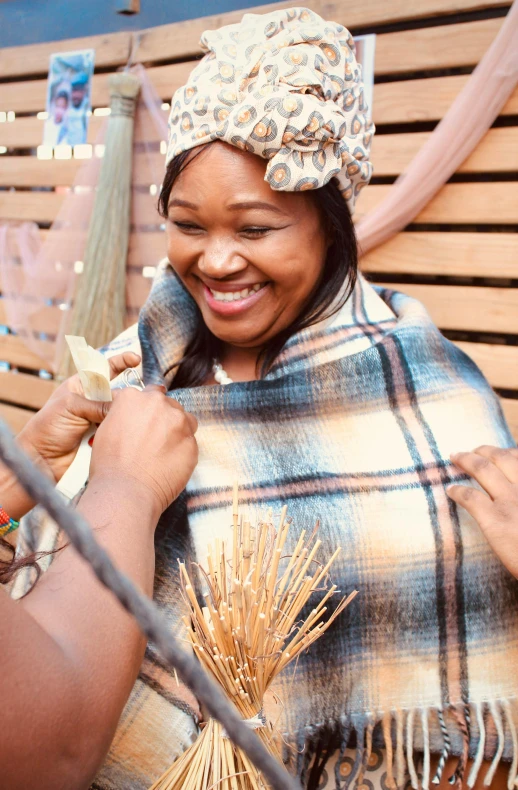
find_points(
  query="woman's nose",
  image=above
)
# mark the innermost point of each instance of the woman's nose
(220, 259)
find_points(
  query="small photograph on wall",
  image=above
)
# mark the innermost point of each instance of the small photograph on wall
(69, 93)
(365, 55)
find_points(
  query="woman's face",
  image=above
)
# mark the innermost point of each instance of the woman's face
(249, 256)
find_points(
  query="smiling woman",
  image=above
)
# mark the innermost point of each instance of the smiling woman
(343, 402)
(227, 252)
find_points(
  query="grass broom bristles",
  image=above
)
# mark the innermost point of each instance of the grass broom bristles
(100, 297)
(247, 633)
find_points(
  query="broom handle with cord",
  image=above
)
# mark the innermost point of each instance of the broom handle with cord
(149, 618)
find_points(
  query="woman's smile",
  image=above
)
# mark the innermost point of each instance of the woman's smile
(231, 300)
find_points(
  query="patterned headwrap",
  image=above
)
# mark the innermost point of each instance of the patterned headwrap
(285, 86)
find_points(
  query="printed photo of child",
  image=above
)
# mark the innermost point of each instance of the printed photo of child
(68, 98)
(56, 131)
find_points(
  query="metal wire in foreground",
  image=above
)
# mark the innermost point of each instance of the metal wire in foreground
(149, 618)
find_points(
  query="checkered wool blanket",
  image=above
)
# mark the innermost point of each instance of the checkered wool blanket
(353, 427)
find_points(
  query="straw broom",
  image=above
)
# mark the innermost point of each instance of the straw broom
(100, 299)
(249, 631)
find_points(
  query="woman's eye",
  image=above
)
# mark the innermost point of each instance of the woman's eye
(187, 227)
(256, 231)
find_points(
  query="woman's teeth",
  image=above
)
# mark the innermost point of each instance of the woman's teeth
(234, 296)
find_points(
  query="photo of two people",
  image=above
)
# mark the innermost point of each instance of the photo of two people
(69, 98)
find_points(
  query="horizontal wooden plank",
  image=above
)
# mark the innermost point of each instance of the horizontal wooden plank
(467, 308)
(110, 50)
(404, 101)
(497, 152)
(391, 154)
(155, 245)
(489, 202)
(25, 390)
(408, 101)
(44, 207)
(35, 206)
(443, 46)
(499, 364)
(30, 95)
(14, 351)
(29, 171)
(455, 203)
(181, 39)
(27, 132)
(510, 408)
(46, 319)
(453, 254)
(15, 417)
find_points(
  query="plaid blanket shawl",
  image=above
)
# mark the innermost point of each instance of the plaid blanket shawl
(353, 427)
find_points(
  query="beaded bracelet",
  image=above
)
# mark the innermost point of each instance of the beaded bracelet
(7, 524)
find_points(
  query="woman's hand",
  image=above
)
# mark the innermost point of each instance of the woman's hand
(53, 435)
(146, 442)
(496, 511)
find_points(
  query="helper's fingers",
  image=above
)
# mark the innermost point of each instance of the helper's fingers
(122, 362)
(478, 504)
(193, 422)
(505, 459)
(191, 419)
(90, 410)
(484, 471)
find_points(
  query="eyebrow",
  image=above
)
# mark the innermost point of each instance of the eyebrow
(183, 203)
(248, 204)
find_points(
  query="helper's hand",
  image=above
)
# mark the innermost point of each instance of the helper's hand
(496, 511)
(53, 435)
(148, 440)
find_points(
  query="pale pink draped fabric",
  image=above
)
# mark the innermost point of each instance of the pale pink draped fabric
(39, 274)
(456, 136)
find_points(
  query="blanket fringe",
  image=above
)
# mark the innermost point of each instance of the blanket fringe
(445, 749)
(426, 746)
(464, 730)
(500, 748)
(479, 754)
(410, 750)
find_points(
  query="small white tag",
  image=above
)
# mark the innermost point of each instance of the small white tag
(93, 369)
(94, 373)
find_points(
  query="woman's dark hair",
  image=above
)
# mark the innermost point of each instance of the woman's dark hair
(340, 269)
(62, 95)
(10, 566)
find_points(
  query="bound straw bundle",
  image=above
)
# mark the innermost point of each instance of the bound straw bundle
(247, 633)
(100, 297)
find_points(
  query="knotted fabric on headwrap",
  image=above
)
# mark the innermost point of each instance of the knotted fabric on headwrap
(285, 86)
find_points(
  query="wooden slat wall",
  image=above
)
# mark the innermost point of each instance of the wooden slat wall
(460, 257)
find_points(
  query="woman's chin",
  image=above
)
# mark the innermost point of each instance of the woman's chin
(238, 339)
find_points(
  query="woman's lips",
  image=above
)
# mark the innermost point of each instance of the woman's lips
(236, 305)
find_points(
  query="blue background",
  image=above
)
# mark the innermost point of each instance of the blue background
(32, 21)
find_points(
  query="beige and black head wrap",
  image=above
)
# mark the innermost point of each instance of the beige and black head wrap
(285, 86)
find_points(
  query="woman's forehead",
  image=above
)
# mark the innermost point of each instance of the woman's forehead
(226, 173)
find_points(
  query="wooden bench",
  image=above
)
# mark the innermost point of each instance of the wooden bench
(460, 257)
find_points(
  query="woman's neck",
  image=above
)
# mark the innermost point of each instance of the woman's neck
(240, 363)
